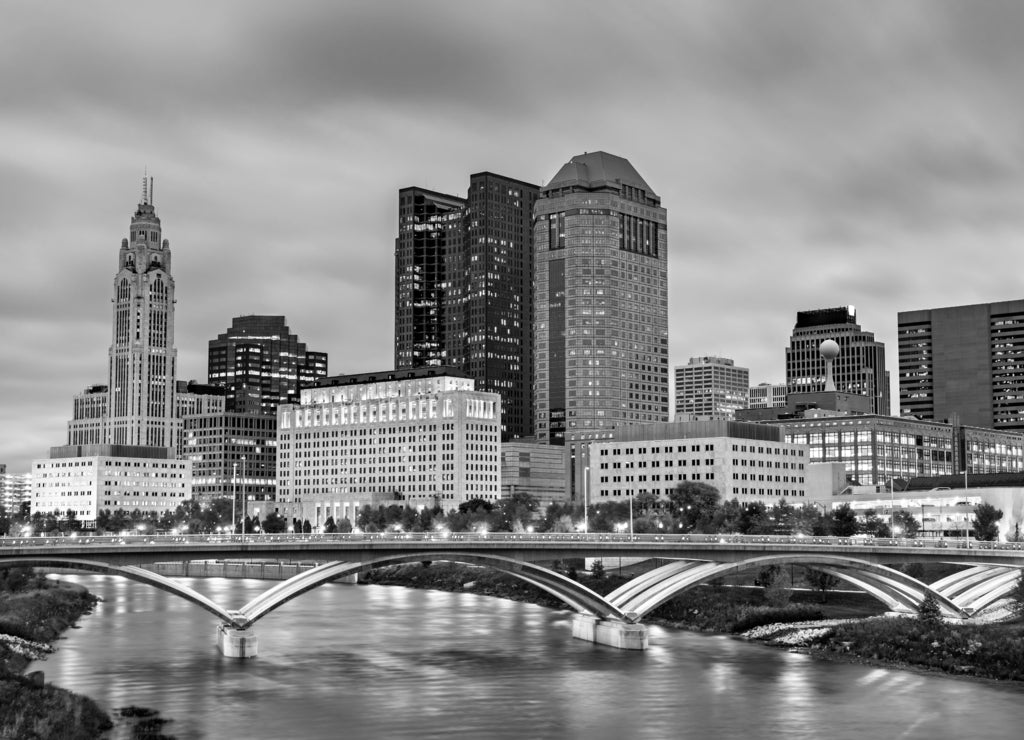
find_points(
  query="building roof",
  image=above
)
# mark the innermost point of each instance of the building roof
(596, 169)
(979, 480)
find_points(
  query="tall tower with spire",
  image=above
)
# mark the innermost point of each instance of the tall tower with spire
(137, 406)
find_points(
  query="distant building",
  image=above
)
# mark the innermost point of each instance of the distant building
(860, 367)
(123, 436)
(767, 396)
(90, 478)
(15, 489)
(536, 469)
(232, 455)
(422, 437)
(261, 364)
(744, 461)
(710, 388)
(876, 449)
(601, 321)
(464, 288)
(964, 363)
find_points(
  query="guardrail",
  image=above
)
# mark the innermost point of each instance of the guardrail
(442, 536)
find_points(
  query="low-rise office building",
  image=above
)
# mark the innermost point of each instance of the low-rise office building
(89, 478)
(742, 460)
(536, 469)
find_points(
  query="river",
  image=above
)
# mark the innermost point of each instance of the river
(390, 662)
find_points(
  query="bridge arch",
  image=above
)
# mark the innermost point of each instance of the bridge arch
(895, 589)
(574, 594)
(140, 575)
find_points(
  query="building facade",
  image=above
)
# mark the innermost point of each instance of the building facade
(261, 364)
(232, 455)
(89, 478)
(710, 388)
(748, 462)
(964, 363)
(859, 368)
(601, 318)
(767, 396)
(876, 449)
(422, 437)
(138, 406)
(536, 469)
(464, 288)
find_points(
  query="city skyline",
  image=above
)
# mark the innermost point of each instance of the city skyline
(809, 155)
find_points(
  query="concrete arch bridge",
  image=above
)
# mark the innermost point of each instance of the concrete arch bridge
(991, 572)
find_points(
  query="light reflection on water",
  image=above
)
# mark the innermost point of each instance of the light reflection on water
(386, 662)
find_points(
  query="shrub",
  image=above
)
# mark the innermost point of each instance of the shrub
(758, 616)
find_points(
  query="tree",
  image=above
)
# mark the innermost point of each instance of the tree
(821, 581)
(307, 528)
(874, 525)
(928, 611)
(274, 523)
(844, 521)
(754, 519)
(905, 522)
(597, 570)
(985, 518)
(695, 504)
(329, 526)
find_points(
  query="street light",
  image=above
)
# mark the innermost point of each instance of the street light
(586, 517)
(243, 499)
(234, 493)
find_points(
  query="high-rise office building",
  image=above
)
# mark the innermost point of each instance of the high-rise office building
(859, 368)
(137, 405)
(464, 288)
(964, 363)
(601, 318)
(709, 388)
(262, 364)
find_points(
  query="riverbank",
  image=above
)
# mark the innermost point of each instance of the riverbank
(847, 626)
(31, 620)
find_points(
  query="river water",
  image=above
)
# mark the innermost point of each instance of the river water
(389, 662)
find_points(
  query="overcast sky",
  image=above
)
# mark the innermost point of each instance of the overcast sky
(810, 154)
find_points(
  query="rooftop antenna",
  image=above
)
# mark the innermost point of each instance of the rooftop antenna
(145, 193)
(151, 197)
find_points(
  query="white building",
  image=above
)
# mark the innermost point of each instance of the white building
(749, 462)
(767, 396)
(109, 477)
(420, 436)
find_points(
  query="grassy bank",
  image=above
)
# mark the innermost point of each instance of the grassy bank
(32, 617)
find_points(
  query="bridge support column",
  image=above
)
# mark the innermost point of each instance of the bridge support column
(609, 632)
(236, 643)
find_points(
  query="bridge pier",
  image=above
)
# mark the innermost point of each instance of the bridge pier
(236, 643)
(609, 632)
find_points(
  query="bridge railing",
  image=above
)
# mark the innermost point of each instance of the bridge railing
(444, 536)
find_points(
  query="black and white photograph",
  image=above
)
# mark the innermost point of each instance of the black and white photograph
(511, 369)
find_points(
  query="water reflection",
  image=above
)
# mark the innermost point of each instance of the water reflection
(373, 661)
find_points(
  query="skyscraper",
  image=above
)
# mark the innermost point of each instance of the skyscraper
(262, 364)
(859, 368)
(464, 288)
(601, 318)
(137, 406)
(710, 388)
(964, 363)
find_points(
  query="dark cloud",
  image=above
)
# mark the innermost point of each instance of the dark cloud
(809, 154)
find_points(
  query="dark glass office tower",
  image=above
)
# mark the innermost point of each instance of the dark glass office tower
(261, 364)
(463, 288)
(859, 368)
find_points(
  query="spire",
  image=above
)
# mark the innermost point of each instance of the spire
(147, 189)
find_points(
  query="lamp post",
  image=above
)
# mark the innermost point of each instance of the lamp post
(234, 493)
(630, 517)
(586, 492)
(892, 506)
(243, 499)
